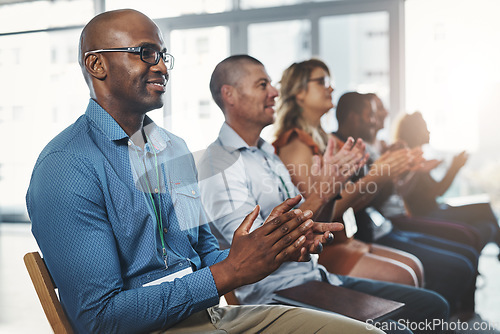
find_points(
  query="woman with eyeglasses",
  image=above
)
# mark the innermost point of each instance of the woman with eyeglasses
(305, 96)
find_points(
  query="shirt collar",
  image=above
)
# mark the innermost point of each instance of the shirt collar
(104, 121)
(233, 142)
(157, 137)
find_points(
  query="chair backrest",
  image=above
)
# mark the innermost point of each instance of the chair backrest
(45, 290)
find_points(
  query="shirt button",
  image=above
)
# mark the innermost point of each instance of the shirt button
(165, 230)
(156, 191)
(129, 142)
(193, 192)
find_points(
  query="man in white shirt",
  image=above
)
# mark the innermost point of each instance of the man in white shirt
(239, 170)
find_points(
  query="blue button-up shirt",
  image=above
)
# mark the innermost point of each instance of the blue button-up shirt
(96, 226)
(234, 178)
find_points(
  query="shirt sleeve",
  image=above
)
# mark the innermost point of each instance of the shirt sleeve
(67, 206)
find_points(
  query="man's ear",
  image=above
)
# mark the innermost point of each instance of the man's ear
(227, 93)
(95, 66)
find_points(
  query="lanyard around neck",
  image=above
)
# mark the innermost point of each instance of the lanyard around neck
(159, 220)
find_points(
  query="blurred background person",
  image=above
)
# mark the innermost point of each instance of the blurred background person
(305, 96)
(422, 199)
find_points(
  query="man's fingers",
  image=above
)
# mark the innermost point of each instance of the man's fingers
(416, 151)
(286, 206)
(348, 145)
(316, 247)
(363, 161)
(292, 252)
(359, 146)
(327, 227)
(353, 156)
(398, 158)
(305, 256)
(247, 223)
(344, 158)
(349, 170)
(288, 233)
(290, 219)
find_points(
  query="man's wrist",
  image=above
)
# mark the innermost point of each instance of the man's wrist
(225, 277)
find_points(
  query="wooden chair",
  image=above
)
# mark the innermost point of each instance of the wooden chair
(45, 289)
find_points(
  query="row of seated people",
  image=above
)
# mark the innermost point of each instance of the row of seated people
(476, 221)
(115, 209)
(410, 251)
(117, 212)
(240, 171)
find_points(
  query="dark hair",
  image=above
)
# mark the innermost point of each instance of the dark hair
(351, 102)
(228, 72)
(410, 128)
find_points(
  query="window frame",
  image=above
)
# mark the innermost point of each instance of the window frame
(238, 21)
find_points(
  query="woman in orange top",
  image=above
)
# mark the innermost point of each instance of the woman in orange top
(306, 95)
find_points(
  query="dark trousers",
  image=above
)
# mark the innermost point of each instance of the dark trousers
(450, 268)
(450, 230)
(478, 215)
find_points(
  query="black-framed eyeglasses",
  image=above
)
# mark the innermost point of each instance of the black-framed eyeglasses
(323, 81)
(148, 55)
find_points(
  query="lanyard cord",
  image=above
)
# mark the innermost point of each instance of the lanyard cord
(276, 174)
(284, 185)
(272, 170)
(159, 220)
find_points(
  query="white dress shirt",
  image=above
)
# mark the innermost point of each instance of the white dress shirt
(234, 178)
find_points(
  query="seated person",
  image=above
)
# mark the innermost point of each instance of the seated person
(393, 207)
(305, 97)
(380, 116)
(421, 199)
(115, 209)
(239, 171)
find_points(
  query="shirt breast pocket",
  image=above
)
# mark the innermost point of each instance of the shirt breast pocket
(187, 206)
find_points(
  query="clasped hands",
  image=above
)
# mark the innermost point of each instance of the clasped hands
(398, 160)
(335, 168)
(287, 235)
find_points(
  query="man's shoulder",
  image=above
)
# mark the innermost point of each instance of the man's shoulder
(66, 157)
(71, 140)
(216, 158)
